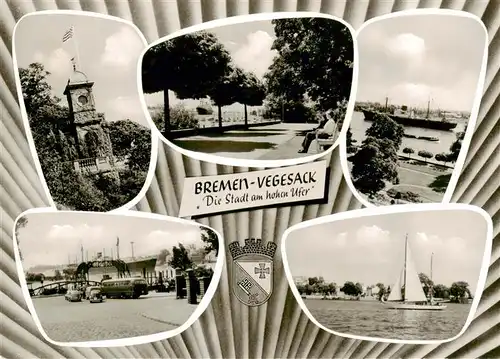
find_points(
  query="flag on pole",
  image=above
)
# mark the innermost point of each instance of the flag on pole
(68, 34)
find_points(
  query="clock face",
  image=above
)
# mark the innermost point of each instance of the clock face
(83, 100)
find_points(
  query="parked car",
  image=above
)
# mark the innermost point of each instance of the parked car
(73, 296)
(95, 296)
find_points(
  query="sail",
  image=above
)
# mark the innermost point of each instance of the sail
(413, 287)
(396, 288)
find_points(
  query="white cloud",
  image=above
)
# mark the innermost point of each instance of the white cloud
(407, 45)
(58, 62)
(256, 54)
(122, 49)
(125, 107)
(370, 234)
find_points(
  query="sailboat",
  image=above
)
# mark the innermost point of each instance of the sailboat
(407, 292)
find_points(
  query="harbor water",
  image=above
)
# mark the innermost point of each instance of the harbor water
(373, 319)
(446, 138)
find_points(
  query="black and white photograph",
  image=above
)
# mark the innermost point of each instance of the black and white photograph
(252, 89)
(94, 276)
(419, 79)
(394, 276)
(78, 81)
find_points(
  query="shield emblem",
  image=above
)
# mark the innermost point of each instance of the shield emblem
(253, 279)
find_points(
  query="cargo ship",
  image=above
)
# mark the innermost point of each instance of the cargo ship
(407, 118)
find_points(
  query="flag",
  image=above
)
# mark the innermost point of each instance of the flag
(68, 34)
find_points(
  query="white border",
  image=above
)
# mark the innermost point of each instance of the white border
(471, 125)
(229, 161)
(376, 211)
(201, 307)
(24, 115)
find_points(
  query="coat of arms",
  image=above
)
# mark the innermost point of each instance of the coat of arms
(253, 271)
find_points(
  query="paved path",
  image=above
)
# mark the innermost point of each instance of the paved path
(273, 142)
(113, 319)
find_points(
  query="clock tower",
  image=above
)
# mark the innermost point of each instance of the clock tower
(95, 153)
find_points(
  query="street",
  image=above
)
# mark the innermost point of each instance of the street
(112, 319)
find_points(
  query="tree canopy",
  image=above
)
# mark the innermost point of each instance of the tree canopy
(374, 163)
(315, 58)
(189, 65)
(180, 258)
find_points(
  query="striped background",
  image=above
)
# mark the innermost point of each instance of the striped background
(229, 329)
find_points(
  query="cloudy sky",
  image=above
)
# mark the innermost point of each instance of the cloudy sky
(250, 47)
(411, 58)
(108, 52)
(49, 238)
(371, 249)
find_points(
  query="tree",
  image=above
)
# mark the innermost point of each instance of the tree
(202, 271)
(188, 65)
(251, 92)
(385, 128)
(382, 291)
(460, 290)
(315, 57)
(409, 151)
(425, 155)
(180, 258)
(375, 162)
(226, 91)
(350, 288)
(350, 142)
(456, 146)
(441, 291)
(359, 286)
(426, 282)
(211, 240)
(162, 257)
(442, 157)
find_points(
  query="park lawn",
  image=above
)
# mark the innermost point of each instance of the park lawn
(415, 177)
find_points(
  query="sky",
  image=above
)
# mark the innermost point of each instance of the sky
(371, 249)
(49, 238)
(107, 50)
(249, 45)
(412, 58)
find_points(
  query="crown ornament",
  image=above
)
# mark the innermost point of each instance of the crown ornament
(252, 246)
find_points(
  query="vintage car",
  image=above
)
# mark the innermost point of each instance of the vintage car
(88, 290)
(95, 296)
(73, 295)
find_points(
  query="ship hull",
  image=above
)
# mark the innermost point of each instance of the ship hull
(410, 306)
(414, 122)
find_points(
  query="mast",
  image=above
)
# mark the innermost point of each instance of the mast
(386, 102)
(432, 284)
(428, 108)
(404, 268)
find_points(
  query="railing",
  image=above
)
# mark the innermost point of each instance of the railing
(93, 165)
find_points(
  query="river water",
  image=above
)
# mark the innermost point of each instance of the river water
(373, 319)
(446, 138)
